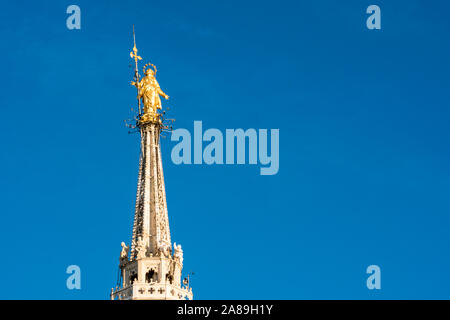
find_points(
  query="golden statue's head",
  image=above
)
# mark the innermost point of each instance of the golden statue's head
(149, 71)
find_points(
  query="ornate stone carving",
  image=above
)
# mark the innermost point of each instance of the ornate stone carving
(164, 250)
(141, 248)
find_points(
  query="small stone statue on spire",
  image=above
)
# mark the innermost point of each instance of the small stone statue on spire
(124, 252)
(178, 252)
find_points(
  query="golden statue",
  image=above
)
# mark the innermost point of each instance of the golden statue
(149, 91)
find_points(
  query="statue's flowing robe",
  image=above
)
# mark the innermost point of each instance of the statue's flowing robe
(149, 92)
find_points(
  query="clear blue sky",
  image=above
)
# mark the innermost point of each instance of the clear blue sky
(364, 145)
